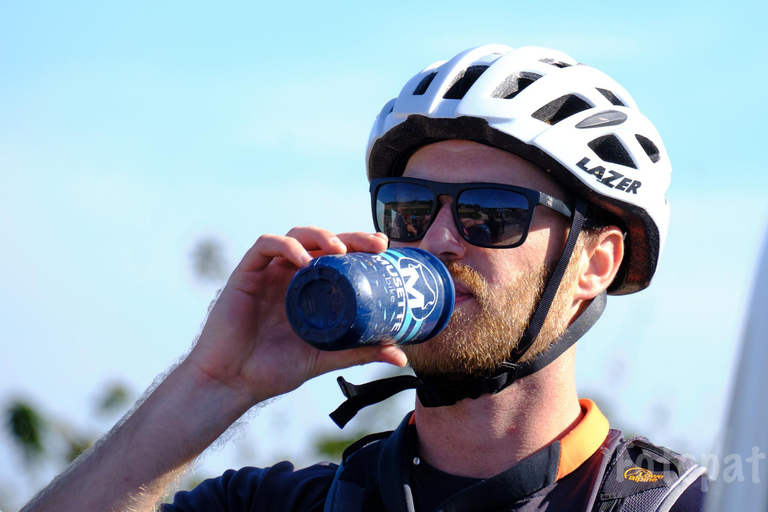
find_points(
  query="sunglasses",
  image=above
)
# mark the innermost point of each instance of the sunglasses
(486, 214)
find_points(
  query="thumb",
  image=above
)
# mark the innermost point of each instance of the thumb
(389, 354)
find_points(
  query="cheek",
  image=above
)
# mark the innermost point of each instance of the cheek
(498, 266)
(547, 237)
(543, 246)
(509, 264)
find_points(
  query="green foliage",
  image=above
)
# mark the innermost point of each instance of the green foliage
(75, 447)
(27, 427)
(330, 447)
(115, 398)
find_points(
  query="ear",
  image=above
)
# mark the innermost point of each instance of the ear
(601, 259)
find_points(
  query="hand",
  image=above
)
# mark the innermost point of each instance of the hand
(247, 343)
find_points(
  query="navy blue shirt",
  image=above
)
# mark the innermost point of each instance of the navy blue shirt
(277, 488)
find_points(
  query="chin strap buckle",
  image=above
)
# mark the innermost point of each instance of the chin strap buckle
(360, 396)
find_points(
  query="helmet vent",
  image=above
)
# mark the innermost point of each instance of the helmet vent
(422, 87)
(556, 63)
(611, 97)
(649, 147)
(557, 110)
(610, 149)
(463, 82)
(514, 85)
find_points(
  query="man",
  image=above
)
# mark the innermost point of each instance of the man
(559, 154)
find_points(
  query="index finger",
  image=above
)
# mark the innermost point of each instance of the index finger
(269, 247)
(365, 242)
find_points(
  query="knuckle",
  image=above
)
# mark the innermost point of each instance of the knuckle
(293, 244)
(294, 230)
(265, 239)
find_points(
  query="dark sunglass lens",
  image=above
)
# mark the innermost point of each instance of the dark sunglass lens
(403, 210)
(493, 217)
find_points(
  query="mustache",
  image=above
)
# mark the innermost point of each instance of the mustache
(469, 277)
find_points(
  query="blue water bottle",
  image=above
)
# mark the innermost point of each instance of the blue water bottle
(400, 296)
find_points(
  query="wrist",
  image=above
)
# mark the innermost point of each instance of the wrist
(202, 402)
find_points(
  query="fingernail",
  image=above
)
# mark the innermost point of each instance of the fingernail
(305, 257)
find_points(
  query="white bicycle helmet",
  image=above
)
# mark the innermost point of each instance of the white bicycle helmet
(565, 117)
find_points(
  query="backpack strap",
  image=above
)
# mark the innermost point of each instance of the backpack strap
(373, 474)
(355, 486)
(644, 476)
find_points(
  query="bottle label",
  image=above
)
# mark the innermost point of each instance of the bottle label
(414, 292)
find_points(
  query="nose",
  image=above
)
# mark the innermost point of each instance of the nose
(443, 238)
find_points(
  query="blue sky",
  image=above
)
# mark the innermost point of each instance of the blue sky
(130, 131)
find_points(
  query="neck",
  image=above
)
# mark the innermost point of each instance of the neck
(483, 437)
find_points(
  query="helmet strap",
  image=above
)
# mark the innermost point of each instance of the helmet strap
(550, 291)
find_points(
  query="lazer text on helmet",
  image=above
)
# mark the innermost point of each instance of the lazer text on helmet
(613, 179)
